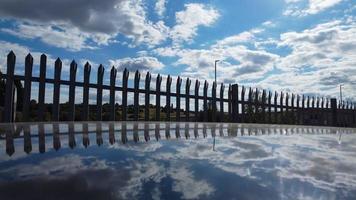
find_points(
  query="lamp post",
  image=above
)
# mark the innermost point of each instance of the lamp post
(341, 94)
(216, 61)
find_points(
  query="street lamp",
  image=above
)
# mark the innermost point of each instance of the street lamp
(341, 94)
(216, 61)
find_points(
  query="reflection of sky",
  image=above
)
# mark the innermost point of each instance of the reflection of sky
(294, 166)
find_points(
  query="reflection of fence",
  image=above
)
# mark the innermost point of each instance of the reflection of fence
(252, 106)
(140, 131)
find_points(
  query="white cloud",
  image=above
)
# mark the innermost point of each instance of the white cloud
(321, 58)
(59, 36)
(83, 22)
(96, 23)
(310, 7)
(238, 62)
(190, 19)
(160, 7)
(144, 63)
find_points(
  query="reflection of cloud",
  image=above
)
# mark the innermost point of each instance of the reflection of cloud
(55, 167)
(185, 183)
(303, 166)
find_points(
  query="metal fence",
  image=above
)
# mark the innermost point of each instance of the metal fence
(243, 104)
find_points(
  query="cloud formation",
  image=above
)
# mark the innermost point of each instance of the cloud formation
(302, 8)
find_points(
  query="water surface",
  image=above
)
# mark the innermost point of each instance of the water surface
(176, 161)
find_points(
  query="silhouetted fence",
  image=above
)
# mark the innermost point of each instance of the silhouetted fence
(251, 106)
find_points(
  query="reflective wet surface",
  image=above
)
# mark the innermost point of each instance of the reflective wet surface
(176, 161)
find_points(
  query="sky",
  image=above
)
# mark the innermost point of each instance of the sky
(300, 46)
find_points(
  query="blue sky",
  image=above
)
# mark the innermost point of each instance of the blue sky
(301, 46)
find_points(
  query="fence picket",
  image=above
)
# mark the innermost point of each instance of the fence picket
(196, 100)
(298, 109)
(27, 88)
(136, 95)
(205, 100)
(213, 102)
(178, 85)
(87, 69)
(56, 89)
(250, 109)
(281, 120)
(187, 99)
(256, 104)
(42, 88)
(158, 97)
(168, 98)
(125, 78)
(269, 107)
(263, 106)
(243, 104)
(72, 76)
(222, 87)
(275, 107)
(99, 93)
(235, 104)
(9, 88)
(113, 74)
(147, 96)
(229, 102)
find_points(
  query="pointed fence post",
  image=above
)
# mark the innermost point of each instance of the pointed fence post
(158, 97)
(99, 93)
(235, 104)
(303, 109)
(27, 88)
(287, 108)
(147, 96)
(333, 103)
(293, 109)
(187, 99)
(298, 109)
(250, 111)
(229, 103)
(196, 98)
(56, 89)
(136, 95)
(354, 114)
(178, 85)
(269, 107)
(281, 108)
(87, 69)
(213, 102)
(263, 106)
(256, 106)
(72, 76)
(9, 90)
(317, 110)
(222, 87)
(243, 104)
(275, 107)
(113, 74)
(327, 111)
(125, 78)
(322, 111)
(205, 104)
(168, 98)
(42, 88)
